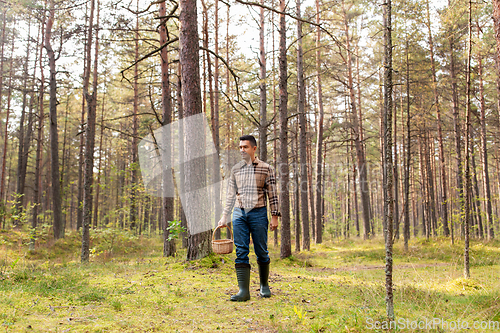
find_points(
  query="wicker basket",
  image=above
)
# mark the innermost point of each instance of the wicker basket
(222, 246)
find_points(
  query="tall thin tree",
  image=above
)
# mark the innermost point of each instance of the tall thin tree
(168, 201)
(318, 223)
(484, 152)
(286, 247)
(388, 167)
(301, 106)
(135, 127)
(262, 87)
(468, 185)
(54, 135)
(91, 99)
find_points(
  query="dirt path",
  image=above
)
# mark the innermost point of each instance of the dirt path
(367, 267)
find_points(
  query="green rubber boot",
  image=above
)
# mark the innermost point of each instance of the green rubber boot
(264, 278)
(243, 275)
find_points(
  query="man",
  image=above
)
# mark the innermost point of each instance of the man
(251, 181)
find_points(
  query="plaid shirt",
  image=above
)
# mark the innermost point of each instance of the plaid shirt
(249, 185)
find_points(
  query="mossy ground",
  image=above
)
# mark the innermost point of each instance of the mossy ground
(336, 287)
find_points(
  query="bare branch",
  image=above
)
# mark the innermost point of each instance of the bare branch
(250, 119)
(251, 3)
(150, 54)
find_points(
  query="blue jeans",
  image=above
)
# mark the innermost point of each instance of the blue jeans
(254, 222)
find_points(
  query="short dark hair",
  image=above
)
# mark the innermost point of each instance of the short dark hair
(250, 138)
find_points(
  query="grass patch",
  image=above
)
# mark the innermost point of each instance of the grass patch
(334, 287)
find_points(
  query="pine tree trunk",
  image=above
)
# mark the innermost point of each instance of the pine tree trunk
(301, 103)
(430, 184)
(388, 168)
(215, 120)
(484, 153)
(22, 149)
(476, 196)
(275, 131)
(406, 143)
(54, 137)
(79, 206)
(395, 175)
(6, 136)
(194, 174)
(135, 127)
(88, 177)
(296, 194)
(362, 165)
(354, 187)
(168, 202)
(283, 168)
(99, 169)
(467, 175)
(456, 124)
(496, 28)
(263, 89)
(180, 109)
(38, 158)
(2, 49)
(442, 162)
(310, 190)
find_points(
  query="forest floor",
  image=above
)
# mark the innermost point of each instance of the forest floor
(338, 286)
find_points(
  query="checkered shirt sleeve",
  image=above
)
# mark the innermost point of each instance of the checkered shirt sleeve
(231, 194)
(272, 192)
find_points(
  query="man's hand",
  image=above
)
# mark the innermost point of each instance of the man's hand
(274, 223)
(223, 221)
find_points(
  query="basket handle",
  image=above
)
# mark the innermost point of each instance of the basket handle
(222, 226)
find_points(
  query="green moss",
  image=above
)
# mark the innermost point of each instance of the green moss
(335, 287)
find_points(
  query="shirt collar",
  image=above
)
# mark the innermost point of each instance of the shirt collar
(255, 162)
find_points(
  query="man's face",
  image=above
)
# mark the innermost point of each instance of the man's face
(247, 150)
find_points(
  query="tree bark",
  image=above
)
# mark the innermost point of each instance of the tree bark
(301, 104)
(275, 127)
(475, 195)
(180, 109)
(99, 169)
(318, 221)
(198, 244)
(395, 174)
(296, 195)
(430, 184)
(442, 162)
(263, 89)
(54, 137)
(406, 143)
(38, 159)
(496, 28)
(23, 143)
(362, 165)
(215, 119)
(135, 127)
(79, 206)
(168, 202)
(388, 168)
(456, 123)
(2, 50)
(467, 175)
(484, 153)
(286, 249)
(6, 134)
(89, 137)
